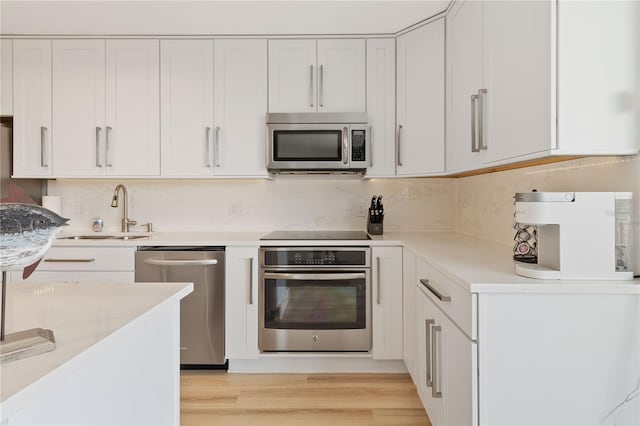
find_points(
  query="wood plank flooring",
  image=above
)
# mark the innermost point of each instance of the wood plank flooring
(230, 399)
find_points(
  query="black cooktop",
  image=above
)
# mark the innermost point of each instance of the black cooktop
(316, 235)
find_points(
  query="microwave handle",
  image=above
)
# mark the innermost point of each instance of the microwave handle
(345, 145)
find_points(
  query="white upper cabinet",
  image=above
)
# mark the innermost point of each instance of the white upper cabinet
(240, 92)
(292, 76)
(420, 97)
(78, 107)
(341, 75)
(323, 75)
(105, 108)
(132, 131)
(186, 90)
(531, 79)
(381, 106)
(32, 108)
(214, 103)
(464, 80)
(6, 78)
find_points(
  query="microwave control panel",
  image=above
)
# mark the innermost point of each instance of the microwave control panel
(358, 144)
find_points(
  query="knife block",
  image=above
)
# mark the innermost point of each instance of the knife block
(374, 228)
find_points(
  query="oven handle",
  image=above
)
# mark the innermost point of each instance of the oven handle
(327, 277)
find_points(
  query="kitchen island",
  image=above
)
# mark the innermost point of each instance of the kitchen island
(116, 359)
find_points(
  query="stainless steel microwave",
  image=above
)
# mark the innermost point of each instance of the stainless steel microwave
(317, 142)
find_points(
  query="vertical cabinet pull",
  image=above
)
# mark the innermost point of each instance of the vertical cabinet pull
(398, 157)
(207, 146)
(378, 280)
(321, 92)
(217, 146)
(481, 145)
(345, 145)
(98, 163)
(107, 152)
(251, 280)
(428, 323)
(435, 390)
(474, 99)
(370, 146)
(43, 147)
(311, 87)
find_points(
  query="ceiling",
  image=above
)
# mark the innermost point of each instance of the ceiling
(240, 17)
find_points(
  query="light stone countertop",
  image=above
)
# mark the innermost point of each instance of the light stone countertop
(477, 265)
(87, 320)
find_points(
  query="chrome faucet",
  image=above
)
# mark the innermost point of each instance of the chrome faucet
(126, 222)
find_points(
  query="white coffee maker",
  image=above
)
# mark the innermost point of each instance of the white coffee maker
(581, 235)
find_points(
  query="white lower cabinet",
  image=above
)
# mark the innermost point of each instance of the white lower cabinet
(386, 312)
(81, 264)
(6, 77)
(241, 294)
(546, 356)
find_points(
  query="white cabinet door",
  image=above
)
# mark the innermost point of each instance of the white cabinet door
(518, 78)
(381, 106)
(186, 91)
(341, 75)
(240, 87)
(32, 108)
(409, 312)
(292, 71)
(386, 312)
(464, 79)
(82, 277)
(132, 133)
(6, 77)
(420, 109)
(241, 314)
(78, 70)
(426, 316)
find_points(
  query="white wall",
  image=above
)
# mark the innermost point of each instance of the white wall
(485, 202)
(284, 203)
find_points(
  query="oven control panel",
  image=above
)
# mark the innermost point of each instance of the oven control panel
(315, 257)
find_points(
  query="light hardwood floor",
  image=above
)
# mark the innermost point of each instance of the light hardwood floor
(229, 399)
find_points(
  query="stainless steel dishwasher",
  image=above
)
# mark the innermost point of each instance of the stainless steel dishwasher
(201, 312)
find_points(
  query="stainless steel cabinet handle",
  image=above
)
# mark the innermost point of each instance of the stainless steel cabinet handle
(435, 392)
(378, 280)
(43, 147)
(323, 277)
(217, 146)
(345, 145)
(311, 87)
(321, 91)
(194, 262)
(98, 163)
(207, 147)
(107, 151)
(370, 146)
(481, 94)
(251, 280)
(53, 260)
(474, 99)
(427, 284)
(428, 323)
(398, 157)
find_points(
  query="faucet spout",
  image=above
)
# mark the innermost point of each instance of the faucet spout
(126, 222)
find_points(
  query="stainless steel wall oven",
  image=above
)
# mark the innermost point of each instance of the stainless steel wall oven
(315, 299)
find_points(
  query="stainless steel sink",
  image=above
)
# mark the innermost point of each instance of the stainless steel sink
(104, 237)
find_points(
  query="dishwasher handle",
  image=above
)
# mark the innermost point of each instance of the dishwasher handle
(195, 262)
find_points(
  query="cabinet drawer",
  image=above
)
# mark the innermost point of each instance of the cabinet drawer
(457, 303)
(88, 259)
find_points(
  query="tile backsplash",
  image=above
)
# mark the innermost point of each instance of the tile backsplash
(255, 204)
(485, 202)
